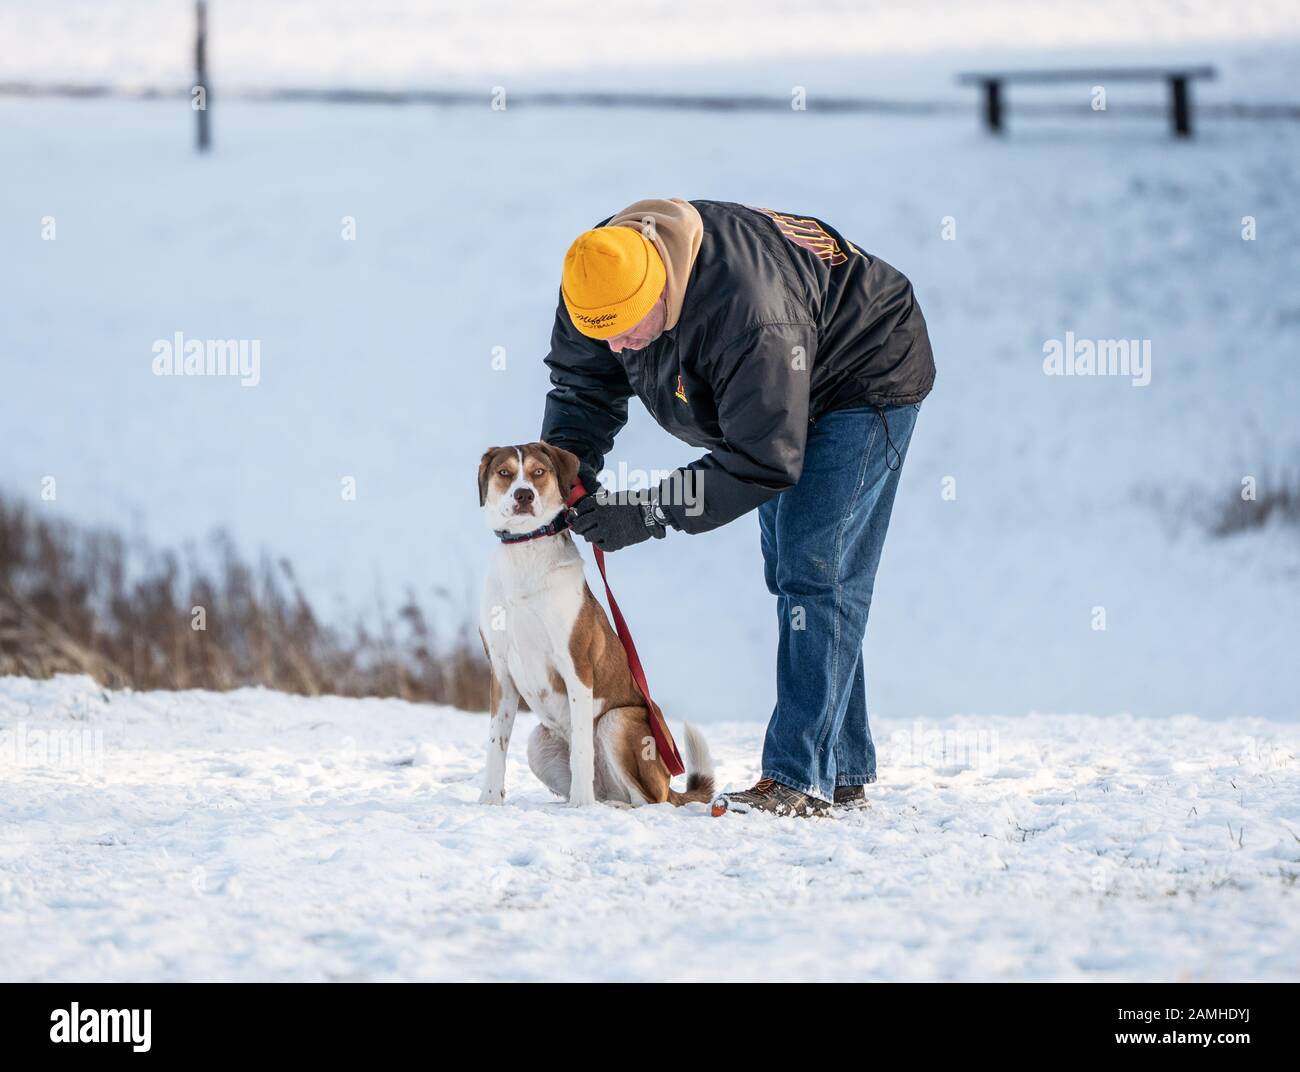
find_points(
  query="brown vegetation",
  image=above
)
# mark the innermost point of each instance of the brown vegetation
(75, 600)
(1277, 496)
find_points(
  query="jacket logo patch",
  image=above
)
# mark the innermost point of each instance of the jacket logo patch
(681, 390)
(809, 235)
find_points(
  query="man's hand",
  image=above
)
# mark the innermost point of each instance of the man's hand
(588, 477)
(611, 526)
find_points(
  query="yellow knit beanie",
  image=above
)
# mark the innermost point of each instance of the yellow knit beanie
(612, 278)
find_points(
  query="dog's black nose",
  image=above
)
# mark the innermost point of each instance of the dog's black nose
(524, 496)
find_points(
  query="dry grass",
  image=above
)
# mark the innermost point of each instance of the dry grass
(75, 600)
(1277, 497)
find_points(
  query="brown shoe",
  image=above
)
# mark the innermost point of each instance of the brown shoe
(851, 796)
(770, 796)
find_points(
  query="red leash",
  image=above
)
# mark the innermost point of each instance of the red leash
(658, 727)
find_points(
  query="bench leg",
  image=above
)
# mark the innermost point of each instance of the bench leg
(1181, 106)
(993, 106)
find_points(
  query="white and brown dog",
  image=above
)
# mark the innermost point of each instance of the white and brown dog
(548, 640)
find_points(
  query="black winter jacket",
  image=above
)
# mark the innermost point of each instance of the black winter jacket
(783, 320)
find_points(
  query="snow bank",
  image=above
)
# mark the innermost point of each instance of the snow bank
(254, 835)
(871, 45)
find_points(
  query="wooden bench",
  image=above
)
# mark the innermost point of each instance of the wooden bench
(1180, 101)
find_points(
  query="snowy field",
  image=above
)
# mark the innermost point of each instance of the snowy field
(258, 836)
(882, 47)
(252, 835)
(377, 363)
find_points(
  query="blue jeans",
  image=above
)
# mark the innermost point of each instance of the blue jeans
(821, 545)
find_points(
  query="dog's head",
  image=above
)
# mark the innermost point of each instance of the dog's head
(521, 488)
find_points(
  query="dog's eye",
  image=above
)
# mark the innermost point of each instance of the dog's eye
(539, 472)
(504, 472)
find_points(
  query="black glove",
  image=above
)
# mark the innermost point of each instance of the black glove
(588, 477)
(612, 525)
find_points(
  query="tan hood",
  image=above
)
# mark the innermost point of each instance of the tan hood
(675, 227)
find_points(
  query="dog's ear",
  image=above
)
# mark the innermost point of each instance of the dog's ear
(566, 467)
(483, 464)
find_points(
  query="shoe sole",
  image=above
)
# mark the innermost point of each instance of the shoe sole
(721, 806)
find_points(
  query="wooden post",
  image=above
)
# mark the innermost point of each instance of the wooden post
(201, 73)
(1181, 106)
(993, 105)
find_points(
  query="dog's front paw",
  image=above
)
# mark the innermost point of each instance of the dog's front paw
(492, 796)
(583, 800)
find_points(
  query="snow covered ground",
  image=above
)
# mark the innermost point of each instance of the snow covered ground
(253, 835)
(883, 47)
(377, 362)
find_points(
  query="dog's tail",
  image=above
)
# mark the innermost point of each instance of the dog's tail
(699, 770)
